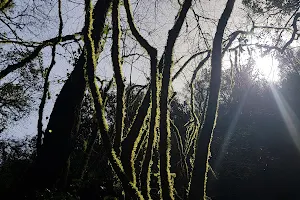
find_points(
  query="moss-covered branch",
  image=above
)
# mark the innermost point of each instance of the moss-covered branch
(192, 103)
(194, 121)
(135, 132)
(146, 167)
(133, 137)
(180, 148)
(118, 75)
(129, 187)
(165, 134)
(4, 4)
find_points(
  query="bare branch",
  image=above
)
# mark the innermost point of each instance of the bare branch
(46, 83)
(232, 37)
(35, 53)
(143, 42)
(294, 32)
(187, 62)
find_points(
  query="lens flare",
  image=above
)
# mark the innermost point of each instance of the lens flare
(267, 68)
(231, 129)
(290, 119)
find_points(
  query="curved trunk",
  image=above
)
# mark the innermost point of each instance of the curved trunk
(199, 176)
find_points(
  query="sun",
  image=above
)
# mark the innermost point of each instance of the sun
(267, 68)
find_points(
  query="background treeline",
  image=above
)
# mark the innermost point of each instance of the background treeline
(253, 154)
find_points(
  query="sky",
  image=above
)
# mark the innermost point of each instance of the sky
(153, 27)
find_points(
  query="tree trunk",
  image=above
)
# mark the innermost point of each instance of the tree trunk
(65, 116)
(165, 133)
(199, 175)
(130, 189)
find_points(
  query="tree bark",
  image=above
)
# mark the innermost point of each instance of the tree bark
(119, 79)
(130, 189)
(165, 134)
(199, 175)
(147, 162)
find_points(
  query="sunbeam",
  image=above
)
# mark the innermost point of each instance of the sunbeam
(231, 129)
(290, 119)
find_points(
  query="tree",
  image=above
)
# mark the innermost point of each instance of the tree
(203, 142)
(138, 145)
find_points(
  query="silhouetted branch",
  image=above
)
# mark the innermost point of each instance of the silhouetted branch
(287, 22)
(295, 29)
(23, 43)
(232, 37)
(187, 62)
(230, 40)
(35, 53)
(46, 83)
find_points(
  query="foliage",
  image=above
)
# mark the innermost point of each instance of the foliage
(283, 6)
(16, 99)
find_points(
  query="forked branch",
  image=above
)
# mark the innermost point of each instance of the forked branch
(129, 187)
(35, 53)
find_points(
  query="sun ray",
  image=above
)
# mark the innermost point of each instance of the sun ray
(290, 118)
(231, 130)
